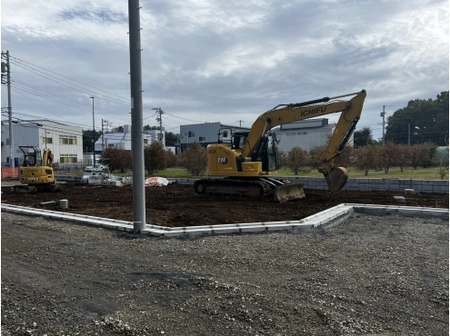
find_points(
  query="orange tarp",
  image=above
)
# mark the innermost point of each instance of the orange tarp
(9, 172)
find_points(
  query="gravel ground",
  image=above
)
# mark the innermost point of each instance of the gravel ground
(367, 276)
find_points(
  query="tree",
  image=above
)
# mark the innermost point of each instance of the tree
(388, 155)
(172, 139)
(367, 158)
(422, 154)
(195, 159)
(297, 158)
(420, 121)
(281, 157)
(363, 137)
(171, 159)
(316, 156)
(116, 159)
(155, 157)
(87, 139)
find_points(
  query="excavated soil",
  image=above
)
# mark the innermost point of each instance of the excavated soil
(177, 205)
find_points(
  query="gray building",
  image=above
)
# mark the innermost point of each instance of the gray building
(65, 141)
(206, 133)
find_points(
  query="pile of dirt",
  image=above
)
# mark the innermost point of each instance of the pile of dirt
(178, 205)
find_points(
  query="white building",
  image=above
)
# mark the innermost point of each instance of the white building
(305, 134)
(65, 141)
(123, 140)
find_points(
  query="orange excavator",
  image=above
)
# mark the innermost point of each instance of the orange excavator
(246, 163)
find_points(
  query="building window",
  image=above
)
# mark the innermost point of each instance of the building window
(68, 158)
(67, 140)
(47, 140)
(191, 134)
(201, 139)
(145, 141)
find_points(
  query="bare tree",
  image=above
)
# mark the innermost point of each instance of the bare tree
(297, 158)
(367, 158)
(194, 159)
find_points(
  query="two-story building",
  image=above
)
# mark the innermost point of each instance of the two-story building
(65, 141)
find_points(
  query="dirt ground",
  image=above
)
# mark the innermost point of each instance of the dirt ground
(177, 205)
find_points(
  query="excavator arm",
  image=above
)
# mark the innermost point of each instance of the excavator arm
(288, 113)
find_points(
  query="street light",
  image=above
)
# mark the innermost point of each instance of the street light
(93, 133)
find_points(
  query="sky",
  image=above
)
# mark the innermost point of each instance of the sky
(221, 61)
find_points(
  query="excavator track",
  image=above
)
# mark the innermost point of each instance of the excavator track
(258, 188)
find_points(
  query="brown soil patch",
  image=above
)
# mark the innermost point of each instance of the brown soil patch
(177, 205)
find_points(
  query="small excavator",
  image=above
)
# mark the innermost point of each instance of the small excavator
(36, 172)
(246, 163)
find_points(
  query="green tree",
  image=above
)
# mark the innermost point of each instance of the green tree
(172, 139)
(420, 121)
(363, 137)
(297, 158)
(155, 157)
(194, 159)
(87, 139)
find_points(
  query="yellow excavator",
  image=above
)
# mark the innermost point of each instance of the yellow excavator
(245, 164)
(36, 172)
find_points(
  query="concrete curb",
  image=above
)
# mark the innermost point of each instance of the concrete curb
(327, 218)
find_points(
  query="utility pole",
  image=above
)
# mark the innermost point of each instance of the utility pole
(383, 116)
(137, 128)
(93, 132)
(240, 121)
(103, 134)
(409, 134)
(6, 68)
(160, 112)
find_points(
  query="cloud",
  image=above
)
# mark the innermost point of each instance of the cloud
(221, 60)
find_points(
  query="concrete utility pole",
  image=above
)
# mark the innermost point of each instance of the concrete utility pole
(103, 134)
(6, 68)
(382, 114)
(240, 122)
(137, 128)
(160, 112)
(93, 132)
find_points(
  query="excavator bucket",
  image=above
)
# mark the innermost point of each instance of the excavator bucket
(288, 192)
(336, 179)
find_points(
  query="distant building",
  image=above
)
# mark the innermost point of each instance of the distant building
(305, 134)
(205, 133)
(65, 141)
(123, 140)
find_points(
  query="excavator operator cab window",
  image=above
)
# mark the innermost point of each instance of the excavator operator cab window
(238, 140)
(268, 153)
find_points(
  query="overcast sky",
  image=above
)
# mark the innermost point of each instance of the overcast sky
(226, 61)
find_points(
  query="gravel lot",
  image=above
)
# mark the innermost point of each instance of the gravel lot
(367, 276)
